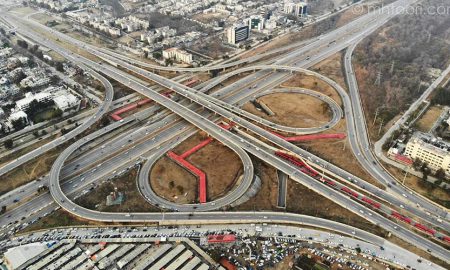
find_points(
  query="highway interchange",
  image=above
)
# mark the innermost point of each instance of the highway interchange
(233, 113)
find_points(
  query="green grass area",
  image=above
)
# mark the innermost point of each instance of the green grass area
(47, 115)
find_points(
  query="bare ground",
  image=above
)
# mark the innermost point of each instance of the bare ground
(293, 110)
(166, 171)
(134, 202)
(310, 82)
(221, 165)
(29, 171)
(427, 120)
(332, 68)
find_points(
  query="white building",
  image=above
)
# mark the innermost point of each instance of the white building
(434, 151)
(67, 102)
(23, 104)
(17, 256)
(178, 55)
(18, 115)
(296, 8)
(238, 33)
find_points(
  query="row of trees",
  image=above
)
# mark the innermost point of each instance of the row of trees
(421, 166)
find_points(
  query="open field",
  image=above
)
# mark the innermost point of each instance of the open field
(293, 110)
(426, 122)
(209, 17)
(134, 202)
(222, 167)
(164, 172)
(43, 18)
(310, 82)
(24, 10)
(332, 68)
(220, 164)
(266, 198)
(30, 170)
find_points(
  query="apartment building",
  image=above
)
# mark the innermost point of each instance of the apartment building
(296, 8)
(178, 55)
(427, 148)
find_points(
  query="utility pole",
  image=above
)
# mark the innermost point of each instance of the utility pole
(392, 67)
(404, 177)
(376, 115)
(381, 125)
(378, 80)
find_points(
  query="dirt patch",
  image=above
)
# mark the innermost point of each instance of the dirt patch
(332, 68)
(310, 82)
(208, 17)
(266, 198)
(172, 182)
(24, 10)
(134, 202)
(221, 165)
(293, 110)
(426, 122)
(29, 171)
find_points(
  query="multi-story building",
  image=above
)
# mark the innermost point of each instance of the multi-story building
(255, 22)
(23, 104)
(178, 55)
(238, 33)
(296, 8)
(427, 148)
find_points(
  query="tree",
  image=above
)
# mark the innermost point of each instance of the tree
(169, 62)
(19, 123)
(39, 54)
(22, 43)
(9, 144)
(417, 163)
(440, 174)
(171, 184)
(59, 66)
(157, 55)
